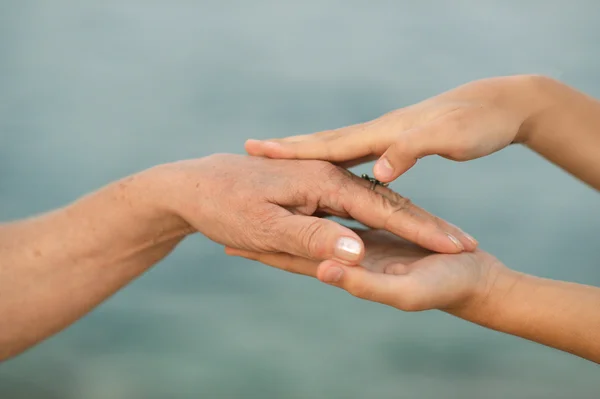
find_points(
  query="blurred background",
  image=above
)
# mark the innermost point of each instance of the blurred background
(93, 91)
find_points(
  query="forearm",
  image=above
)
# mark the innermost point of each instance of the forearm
(56, 267)
(566, 129)
(558, 314)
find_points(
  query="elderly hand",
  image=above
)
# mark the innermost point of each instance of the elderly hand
(469, 122)
(267, 205)
(399, 274)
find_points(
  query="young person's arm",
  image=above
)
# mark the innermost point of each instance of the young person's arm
(474, 286)
(468, 122)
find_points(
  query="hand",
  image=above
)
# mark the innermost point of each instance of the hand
(266, 205)
(471, 121)
(398, 273)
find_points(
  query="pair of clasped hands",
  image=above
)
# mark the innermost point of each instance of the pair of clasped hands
(408, 258)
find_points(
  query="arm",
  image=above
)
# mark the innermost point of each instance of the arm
(468, 122)
(558, 314)
(56, 267)
(566, 131)
(473, 286)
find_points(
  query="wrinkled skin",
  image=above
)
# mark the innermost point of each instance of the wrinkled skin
(400, 274)
(266, 205)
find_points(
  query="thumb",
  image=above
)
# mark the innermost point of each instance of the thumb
(362, 283)
(315, 238)
(441, 137)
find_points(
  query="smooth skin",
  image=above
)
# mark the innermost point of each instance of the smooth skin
(469, 122)
(56, 267)
(474, 286)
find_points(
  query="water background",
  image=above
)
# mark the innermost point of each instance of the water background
(93, 91)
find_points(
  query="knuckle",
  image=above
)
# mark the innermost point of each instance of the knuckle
(402, 204)
(460, 123)
(323, 167)
(310, 237)
(402, 217)
(324, 171)
(398, 205)
(332, 183)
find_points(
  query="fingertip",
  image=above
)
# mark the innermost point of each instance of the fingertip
(270, 148)
(330, 272)
(253, 147)
(242, 253)
(276, 149)
(456, 242)
(231, 251)
(472, 243)
(469, 243)
(444, 243)
(384, 170)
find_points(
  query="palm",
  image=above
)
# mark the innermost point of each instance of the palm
(424, 280)
(399, 273)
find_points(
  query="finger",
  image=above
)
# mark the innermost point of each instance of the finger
(388, 289)
(316, 238)
(442, 136)
(340, 145)
(250, 255)
(384, 209)
(286, 262)
(358, 161)
(466, 240)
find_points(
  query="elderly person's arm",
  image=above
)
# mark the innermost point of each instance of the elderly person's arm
(56, 267)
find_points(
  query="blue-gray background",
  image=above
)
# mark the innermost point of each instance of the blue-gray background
(92, 91)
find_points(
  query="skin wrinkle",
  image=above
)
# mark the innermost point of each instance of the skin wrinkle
(310, 235)
(487, 299)
(381, 194)
(118, 232)
(472, 121)
(335, 186)
(398, 209)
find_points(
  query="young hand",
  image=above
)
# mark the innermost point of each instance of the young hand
(468, 122)
(398, 273)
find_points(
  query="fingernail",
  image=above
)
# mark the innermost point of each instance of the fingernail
(470, 238)
(348, 249)
(332, 275)
(456, 242)
(384, 169)
(467, 236)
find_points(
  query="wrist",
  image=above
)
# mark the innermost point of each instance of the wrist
(488, 298)
(151, 193)
(538, 94)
